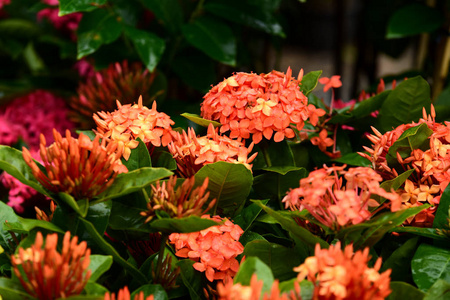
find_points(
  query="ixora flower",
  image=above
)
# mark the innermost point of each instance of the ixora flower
(230, 291)
(80, 167)
(192, 153)
(259, 106)
(214, 249)
(122, 81)
(333, 82)
(431, 165)
(343, 275)
(124, 294)
(46, 273)
(130, 122)
(336, 205)
(180, 202)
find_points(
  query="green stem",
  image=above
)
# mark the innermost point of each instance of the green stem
(164, 238)
(264, 147)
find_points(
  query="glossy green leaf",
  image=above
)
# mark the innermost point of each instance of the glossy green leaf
(95, 29)
(80, 207)
(98, 265)
(403, 290)
(96, 289)
(440, 290)
(249, 214)
(441, 219)
(285, 219)
(23, 225)
(397, 182)
(404, 104)
(192, 279)
(183, 225)
(149, 46)
(250, 15)
(309, 81)
(229, 184)
(98, 214)
(425, 232)
(168, 12)
(133, 181)
(89, 133)
(429, 264)
(199, 120)
(70, 6)
(6, 215)
(125, 217)
(413, 138)
(353, 159)
(275, 185)
(156, 290)
(13, 290)
(414, 19)
(306, 288)
(399, 261)
(139, 157)
(108, 249)
(275, 157)
(253, 265)
(11, 161)
(163, 159)
(213, 37)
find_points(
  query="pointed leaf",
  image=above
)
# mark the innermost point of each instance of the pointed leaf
(309, 82)
(353, 159)
(124, 217)
(441, 219)
(403, 290)
(253, 265)
(98, 265)
(425, 232)
(163, 159)
(169, 12)
(139, 157)
(399, 261)
(183, 225)
(249, 214)
(275, 185)
(429, 264)
(440, 290)
(156, 290)
(192, 279)
(13, 290)
(199, 120)
(70, 6)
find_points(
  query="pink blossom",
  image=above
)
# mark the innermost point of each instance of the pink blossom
(4, 2)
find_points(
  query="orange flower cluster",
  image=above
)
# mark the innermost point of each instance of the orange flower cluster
(124, 81)
(47, 274)
(79, 167)
(192, 153)
(180, 202)
(337, 205)
(431, 165)
(130, 122)
(214, 249)
(230, 291)
(262, 105)
(341, 275)
(124, 294)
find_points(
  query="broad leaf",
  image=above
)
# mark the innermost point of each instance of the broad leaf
(192, 279)
(13, 290)
(253, 265)
(246, 217)
(440, 290)
(425, 232)
(139, 157)
(168, 12)
(441, 219)
(183, 225)
(397, 182)
(399, 261)
(275, 157)
(70, 6)
(403, 290)
(353, 159)
(156, 290)
(163, 159)
(429, 264)
(200, 121)
(98, 265)
(309, 82)
(125, 217)
(275, 185)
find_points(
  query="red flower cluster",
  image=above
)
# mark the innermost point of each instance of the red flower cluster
(342, 275)
(192, 152)
(214, 249)
(262, 105)
(336, 205)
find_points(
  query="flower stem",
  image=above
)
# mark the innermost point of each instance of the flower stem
(164, 238)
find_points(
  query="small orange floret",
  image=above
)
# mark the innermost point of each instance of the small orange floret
(124, 294)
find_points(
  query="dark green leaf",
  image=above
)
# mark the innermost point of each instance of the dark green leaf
(306, 288)
(441, 219)
(397, 182)
(353, 159)
(163, 159)
(246, 217)
(139, 157)
(133, 181)
(80, 207)
(276, 157)
(400, 259)
(156, 290)
(199, 120)
(414, 19)
(183, 225)
(253, 265)
(98, 215)
(429, 264)
(192, 279)
(213, 37)
(89, 133)
(309, 82)
(404, 104)
(425, 232)
(403, 290)
(275, 185)
(125, 217)
(23, 225)
(98, 265)
(440, 290)
(149, 46)
(13, 290)
(70, 6)
(229, 184)
(196, 69)
(97, 28)
(6, 215)
(96, 289)
(168, 12)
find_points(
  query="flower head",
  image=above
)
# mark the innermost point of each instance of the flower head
(333, 82)
(250, 105)
(67, 24)
(214, 249)
(337, 205)
(80, 167)
(179, 202)
(342, 275)
(130, 122)
(122, 81)
(192, 153)
(124, 294)
(46, 273)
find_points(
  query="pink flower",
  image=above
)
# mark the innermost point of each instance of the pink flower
(333, 82)
(4, 2)
(9, 131)
(68, 23)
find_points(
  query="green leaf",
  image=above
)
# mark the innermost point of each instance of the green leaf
(213, 37)
(183, 225)
(139, 157)
(125, 217)
(429, 264)
(246, 217)
(243, 13)
(441, 219)
(287, 222)
(80, 207)
(440, 290)
(70, 6)
(96, 289)
(13, 290)
(23, 225)
(400, 259)
(253, 265)
(133, 181)
(275, 157)
(229, 184)
(149, 46)
(168, 12)
(199, 120)
(275, 185)
(353, 159)
(306, 288)
(414, 19)
(425, 232)
(108, 249)
(413, 138)
(98, 265)
(11, 161)
(396, 183)
(196, 69)
(192, 279)
(404, 104)
(403, 290)
(309, 82)
(97, 28)
(163, 159)
(6, 215)
(156, 290)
